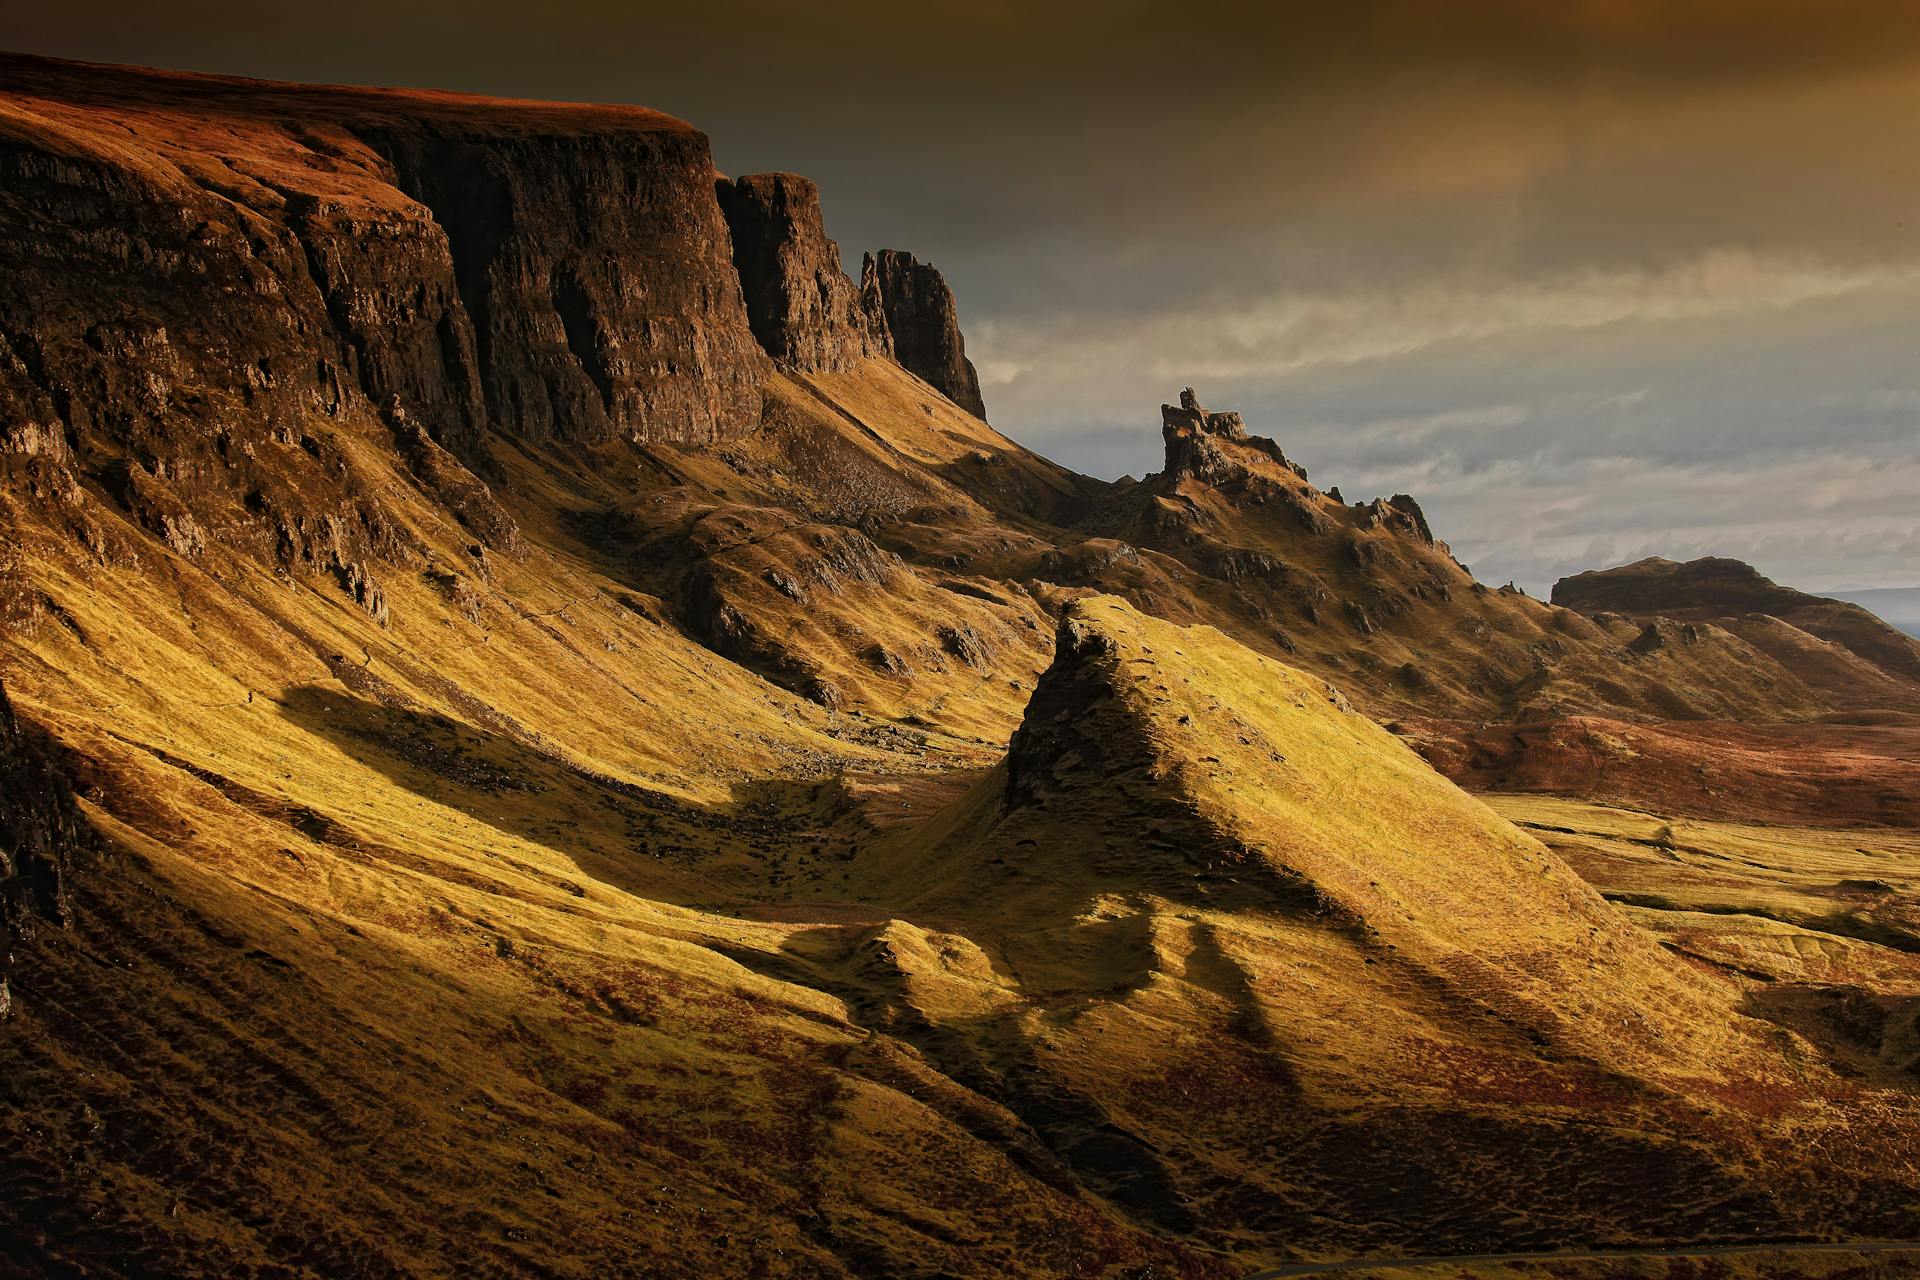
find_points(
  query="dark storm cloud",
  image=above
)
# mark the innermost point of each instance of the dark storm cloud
(1601, 277)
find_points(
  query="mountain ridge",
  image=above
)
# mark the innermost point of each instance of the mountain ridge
(598, 766)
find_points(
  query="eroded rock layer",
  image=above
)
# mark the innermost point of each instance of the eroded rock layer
(802, 306)
(924, 324)
(40, 832)
(193, 251)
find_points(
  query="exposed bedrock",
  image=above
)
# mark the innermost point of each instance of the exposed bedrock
(40, 830)
(924, 324)
(803, 308)
(215, 284)
(597, 273)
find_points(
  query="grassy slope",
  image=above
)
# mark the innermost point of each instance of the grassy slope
(525, 900)
(1205, 907)
(523, 931)
(406, 950)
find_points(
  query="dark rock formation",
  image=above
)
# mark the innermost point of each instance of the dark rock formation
(1415, 520)
(213, 283)
(453, 486)
(597, 272)
(803, 308)
(1193, 435)
(923, 324)
(1399, 513)
(40, 830)
(564, 271)
(385, 273)
(1660, 633)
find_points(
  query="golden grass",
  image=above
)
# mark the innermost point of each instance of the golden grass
(523, 929)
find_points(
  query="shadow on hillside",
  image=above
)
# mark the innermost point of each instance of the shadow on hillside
(628, 836)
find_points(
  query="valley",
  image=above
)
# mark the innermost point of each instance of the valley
(550, 737)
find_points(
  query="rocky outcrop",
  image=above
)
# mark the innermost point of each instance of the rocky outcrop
(597, 272)
(803, 308)
(385, 274)
(1193, 435)
(917, 307)
(1660, 633)
(1415, 520)
(40, 831)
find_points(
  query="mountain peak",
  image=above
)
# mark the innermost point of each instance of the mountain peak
(912, 300)
(1214, 446)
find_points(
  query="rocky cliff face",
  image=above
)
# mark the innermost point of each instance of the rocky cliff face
(563, 273)
(597, 273)
(918, 307)
(803, 308)
(214, 284)
(566, 274)
(39, 831)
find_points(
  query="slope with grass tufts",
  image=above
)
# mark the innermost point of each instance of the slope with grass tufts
(1254, 969)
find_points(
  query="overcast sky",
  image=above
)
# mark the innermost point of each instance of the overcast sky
(1594, 279)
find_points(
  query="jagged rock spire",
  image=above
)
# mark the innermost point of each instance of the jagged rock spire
(917, 307)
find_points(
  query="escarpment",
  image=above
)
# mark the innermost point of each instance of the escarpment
(222, 290)
(802, 306)
(598, 275)
(923, 324)
(561, 275)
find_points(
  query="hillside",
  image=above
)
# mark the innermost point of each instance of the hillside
(544, 733)
(1899, 606)
(1837, 646)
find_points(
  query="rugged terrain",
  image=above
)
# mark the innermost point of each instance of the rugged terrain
(549, 736)
(1837, 647)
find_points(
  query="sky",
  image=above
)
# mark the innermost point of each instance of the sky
(1592, 279)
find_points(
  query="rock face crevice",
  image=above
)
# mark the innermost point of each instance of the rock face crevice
(803, 308)
(40, 831)
(923, 323)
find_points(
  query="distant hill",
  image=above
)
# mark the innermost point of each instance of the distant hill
(1897, 605)
(1835, 646)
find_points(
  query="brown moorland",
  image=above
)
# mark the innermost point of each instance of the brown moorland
(510, 772)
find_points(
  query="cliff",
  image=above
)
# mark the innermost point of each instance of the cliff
(803, 308)
(923, 323)
(219, 287)
(564, 272)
